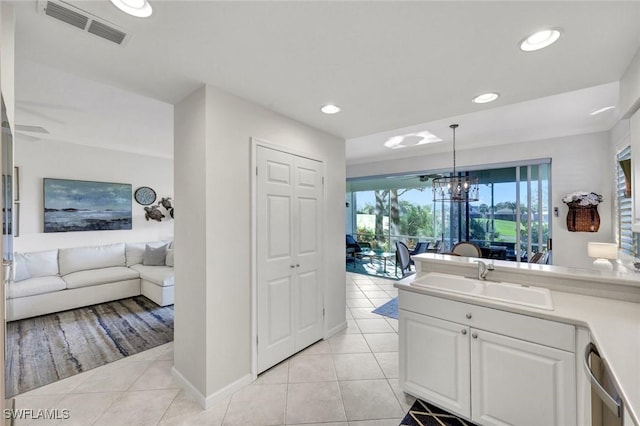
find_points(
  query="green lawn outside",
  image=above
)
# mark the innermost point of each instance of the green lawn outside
(506, 229)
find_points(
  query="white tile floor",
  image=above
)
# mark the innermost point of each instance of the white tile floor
(350, 379)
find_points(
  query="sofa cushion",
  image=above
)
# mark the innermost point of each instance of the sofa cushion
(20, 269)
(160, 275)
(154, 256)
(169, 259)
(99, 276)
(41, 263)
(86, 258)
(33, 286)
(135, 251)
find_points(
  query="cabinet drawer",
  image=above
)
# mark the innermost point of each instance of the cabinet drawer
(536, 330)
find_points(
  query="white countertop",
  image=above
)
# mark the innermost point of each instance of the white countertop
(614, 327)
(622, 276)
(621, 285)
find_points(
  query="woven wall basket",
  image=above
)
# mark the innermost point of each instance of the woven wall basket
(583, 218)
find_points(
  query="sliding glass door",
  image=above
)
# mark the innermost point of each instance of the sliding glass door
(510, 222)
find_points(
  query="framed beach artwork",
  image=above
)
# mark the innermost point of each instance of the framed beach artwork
(78, 205)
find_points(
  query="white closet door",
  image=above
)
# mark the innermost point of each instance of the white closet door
(289, 255)
(308, 223)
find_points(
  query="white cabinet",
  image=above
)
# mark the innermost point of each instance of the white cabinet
(492, 367)
(515, 382)
(435, 361)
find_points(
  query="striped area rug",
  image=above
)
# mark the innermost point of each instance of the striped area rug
(48, 348)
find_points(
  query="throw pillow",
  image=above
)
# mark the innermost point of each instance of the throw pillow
(154, 256)
(169, 259)
(42, 263)
(21, 272)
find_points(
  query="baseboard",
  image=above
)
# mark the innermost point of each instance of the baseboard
(188, 387)
(335, 330)
(208, 401)
(228, 390)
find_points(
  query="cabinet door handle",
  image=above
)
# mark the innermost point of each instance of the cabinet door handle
(464, 331)
(469, 316)
(292, 266)
(297, 265)
(474, 335)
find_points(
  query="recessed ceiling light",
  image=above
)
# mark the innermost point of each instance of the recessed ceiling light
(411, 139)
(485, 98)
(540, 40)
(330, 109)
(601, 110)
(138, 8)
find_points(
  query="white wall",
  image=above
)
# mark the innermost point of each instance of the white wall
(223, 181)
(50, 159)
(7, 60)
(630, 87)
(581, 162)
(190, 322)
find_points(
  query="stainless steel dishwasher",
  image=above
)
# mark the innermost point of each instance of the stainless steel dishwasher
(606, 404)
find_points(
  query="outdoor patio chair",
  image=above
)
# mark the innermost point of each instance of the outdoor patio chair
(435, 247)
(354, 249)
(421, 247)
(536, 257)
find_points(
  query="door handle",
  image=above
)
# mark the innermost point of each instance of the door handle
(614, 405)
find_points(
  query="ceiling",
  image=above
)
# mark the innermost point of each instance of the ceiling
(389, 65)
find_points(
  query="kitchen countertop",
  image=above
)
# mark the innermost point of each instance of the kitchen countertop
(622, 285)
(614, 325)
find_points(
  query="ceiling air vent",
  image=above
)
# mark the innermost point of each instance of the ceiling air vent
(83, 20)
(66, 15)
(106, 31)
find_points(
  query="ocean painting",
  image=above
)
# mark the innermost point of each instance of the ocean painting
(78, 205)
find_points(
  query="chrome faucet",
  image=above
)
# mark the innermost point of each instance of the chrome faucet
(483, 269)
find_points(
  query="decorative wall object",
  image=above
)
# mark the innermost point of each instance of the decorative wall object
(583, 211)
(77, 205)
(145, 196)
(154, 212)
(166, 203)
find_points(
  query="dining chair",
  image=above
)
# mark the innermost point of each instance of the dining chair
(466, 248)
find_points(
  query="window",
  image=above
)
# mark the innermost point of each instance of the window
(624, 205)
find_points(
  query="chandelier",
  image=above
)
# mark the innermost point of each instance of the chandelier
(458, 187)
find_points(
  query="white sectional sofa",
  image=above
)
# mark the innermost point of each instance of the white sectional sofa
(57, 280)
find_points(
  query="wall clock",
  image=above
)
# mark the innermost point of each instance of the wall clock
(145, 195)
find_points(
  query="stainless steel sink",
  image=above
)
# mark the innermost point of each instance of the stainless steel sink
(518, 294)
